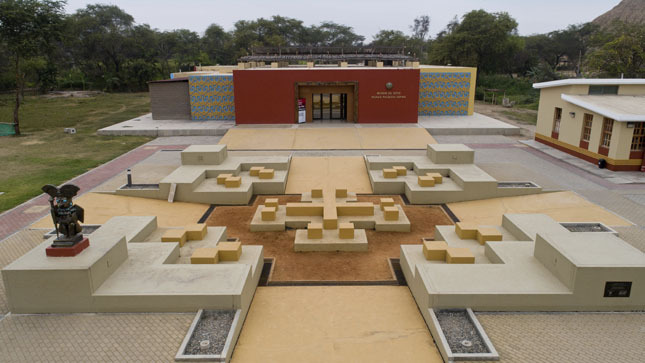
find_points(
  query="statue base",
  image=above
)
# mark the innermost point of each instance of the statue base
(70, 251)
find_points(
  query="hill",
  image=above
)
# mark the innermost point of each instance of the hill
(629, 11)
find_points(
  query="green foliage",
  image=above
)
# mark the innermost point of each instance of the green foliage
(484, 40)
(519, 90)
(620, 52)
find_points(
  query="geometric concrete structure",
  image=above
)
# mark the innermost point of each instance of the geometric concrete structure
(330, 241)
(128, 269)
(538, 266)
(458, 178)
(209, 175)
(311, 210)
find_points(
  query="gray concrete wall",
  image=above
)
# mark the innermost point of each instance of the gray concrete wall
(170, 100)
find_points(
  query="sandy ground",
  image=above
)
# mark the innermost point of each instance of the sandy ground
(561, 206)
(329, 266)
(494, 111)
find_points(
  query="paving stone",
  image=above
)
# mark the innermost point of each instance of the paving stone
(566, 337)
(92, 337)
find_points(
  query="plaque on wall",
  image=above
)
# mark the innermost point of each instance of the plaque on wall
(618, 288)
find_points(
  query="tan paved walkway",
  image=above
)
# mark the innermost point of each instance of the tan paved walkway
(99, 208)
(561, 206)
(328, 138)
(335, 324)
(306, 173)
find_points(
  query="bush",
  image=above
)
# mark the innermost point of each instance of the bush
(519, 90)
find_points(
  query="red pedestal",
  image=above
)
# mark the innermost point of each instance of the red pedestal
(68, 251)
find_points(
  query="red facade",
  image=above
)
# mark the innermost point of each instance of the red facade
(267, 96)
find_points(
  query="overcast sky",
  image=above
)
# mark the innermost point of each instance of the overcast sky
(367, 17)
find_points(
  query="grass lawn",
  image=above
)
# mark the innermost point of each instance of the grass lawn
(44, 154)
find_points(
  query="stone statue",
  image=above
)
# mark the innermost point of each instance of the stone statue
(66, 215)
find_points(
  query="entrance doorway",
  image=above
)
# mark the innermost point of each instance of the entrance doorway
(328, 101)
(329, 106)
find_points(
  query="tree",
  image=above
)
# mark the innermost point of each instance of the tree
(27, 27)
(420, 27)
(622, 52)
(484, 40)
(99, 38)
(390, 38)
(217, 45)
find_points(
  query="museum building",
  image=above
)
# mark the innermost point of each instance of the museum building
(375, 88)
(598, 120)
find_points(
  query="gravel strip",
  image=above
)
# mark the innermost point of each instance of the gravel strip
(213, 327)
(460, 332)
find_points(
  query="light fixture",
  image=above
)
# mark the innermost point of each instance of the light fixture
(630, 125)
(572, 114)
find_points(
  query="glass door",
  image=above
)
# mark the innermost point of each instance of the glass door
(329, 106)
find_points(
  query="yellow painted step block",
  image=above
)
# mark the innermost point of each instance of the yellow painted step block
(485, 234)
(387, 202)
(229, 251)
(438, 178)
(346, 231)
(305, 209)
(271, 202)
(314, 230)
(341, 193)
(196, 232)
(459, 255)
(465, 230)
(222, 178)
(316, 193)
(255, 170)
(266, 174)
(233, 182)
(175, 235)
(389, 173)
(268, 213)
(205, 255)
(391, 213)
(425, 181)
(355, 209)
(400, 170)
(435, 250)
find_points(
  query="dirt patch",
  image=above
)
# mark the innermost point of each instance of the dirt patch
(76, 94)
(372, 265)
(513, 116)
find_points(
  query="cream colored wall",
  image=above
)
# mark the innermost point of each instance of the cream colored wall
(631, 89)
(621, 141)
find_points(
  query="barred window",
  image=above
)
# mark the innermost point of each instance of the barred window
(638, 140)
(607, 127)
(557, 116)
(586, 127)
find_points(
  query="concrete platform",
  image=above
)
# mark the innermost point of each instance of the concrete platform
(323, 138)
(330, 242)
(539, 266)
(124, 271)
(477, 124)
(145, 126)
